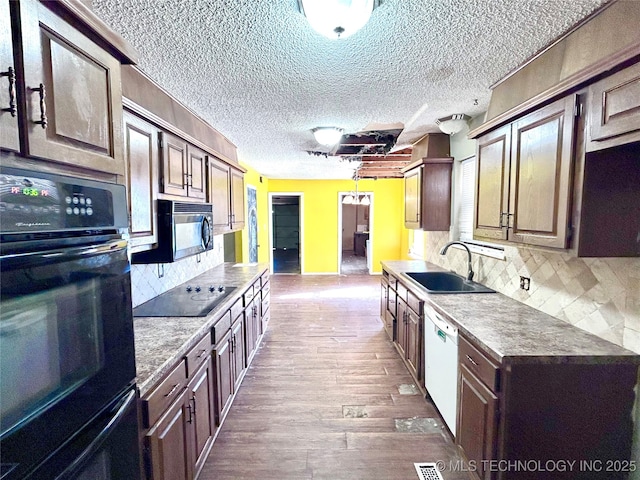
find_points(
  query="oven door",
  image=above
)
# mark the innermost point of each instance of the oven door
(66, 345)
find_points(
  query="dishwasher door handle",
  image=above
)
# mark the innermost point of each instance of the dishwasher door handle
(444, 326)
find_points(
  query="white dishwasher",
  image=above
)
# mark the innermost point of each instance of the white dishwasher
(441, 365)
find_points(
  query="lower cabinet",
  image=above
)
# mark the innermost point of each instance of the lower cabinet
(409, 338)
(183, 412)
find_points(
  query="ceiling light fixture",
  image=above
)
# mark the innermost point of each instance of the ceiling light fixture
(453, 124)
(337, 18)
(355, 198)
(327, 135)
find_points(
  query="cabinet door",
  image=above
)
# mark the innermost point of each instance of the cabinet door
(391, 313)
(477, 420)
(197, 172)
(73, 94)
(223, 364)
(169, 444)
(9, 136)
(542, 145)
(492, 185)
(174, 165)
(142, 163)
(237, 200)
(414, 342)
(238, 364)
(401, 328)
(201, 404)
(219, 195)
(412, 198)
(614, 105)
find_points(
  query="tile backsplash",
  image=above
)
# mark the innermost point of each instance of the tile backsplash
(147, 283)
(599, 295)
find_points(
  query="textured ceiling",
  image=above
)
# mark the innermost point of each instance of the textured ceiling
(258, 73)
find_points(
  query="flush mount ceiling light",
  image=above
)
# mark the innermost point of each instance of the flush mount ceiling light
(327, 136)
(453, 124)
(337, 18)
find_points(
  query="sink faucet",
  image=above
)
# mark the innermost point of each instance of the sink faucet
(446, 247)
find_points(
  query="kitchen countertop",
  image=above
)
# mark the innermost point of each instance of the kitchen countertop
(161, 341)
(510, 331)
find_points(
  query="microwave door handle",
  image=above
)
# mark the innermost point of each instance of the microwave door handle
(68, 253)
(97, 442)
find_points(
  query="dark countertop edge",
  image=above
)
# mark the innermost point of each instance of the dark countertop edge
(207, 323)
(624, 357)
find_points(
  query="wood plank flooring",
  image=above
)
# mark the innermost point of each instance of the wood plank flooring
(322, 398)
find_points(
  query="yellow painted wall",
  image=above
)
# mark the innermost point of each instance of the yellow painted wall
(252, 178)
(320, 214)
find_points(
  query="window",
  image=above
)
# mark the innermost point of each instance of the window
(464, 209)
(416, 243)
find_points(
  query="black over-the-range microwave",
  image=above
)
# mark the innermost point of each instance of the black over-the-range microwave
(184, 229)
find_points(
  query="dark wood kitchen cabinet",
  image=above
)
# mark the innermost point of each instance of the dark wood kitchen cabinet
(614, 109)
(226, 192)
(183, 168)
(68, 90)
(187, 427)
(9, 136)
(428, 194)
(477, 419)
(388, 309)
(142, 166)
(409, 339)
(524, 173)
(252, 300)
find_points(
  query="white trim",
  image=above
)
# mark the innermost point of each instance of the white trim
(341, 195)
(300, 195)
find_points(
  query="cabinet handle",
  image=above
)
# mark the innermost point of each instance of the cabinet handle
(191, 410)
(472, 360)
(202, 352)
(43, 107)
(173, 390)
(11, 73)
(186, 182)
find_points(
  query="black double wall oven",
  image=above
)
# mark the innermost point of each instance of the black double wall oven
(68, 406)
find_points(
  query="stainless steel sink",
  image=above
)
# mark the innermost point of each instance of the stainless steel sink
(446, 282)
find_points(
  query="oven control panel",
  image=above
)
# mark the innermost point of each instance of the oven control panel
(41, 202)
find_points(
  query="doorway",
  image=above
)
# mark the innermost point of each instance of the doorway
(355, 244)
(286, 239)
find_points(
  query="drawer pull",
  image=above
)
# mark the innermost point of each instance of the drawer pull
(202, 352)
(43, 107)
(472, 360)
(11, 74)
(173, 390)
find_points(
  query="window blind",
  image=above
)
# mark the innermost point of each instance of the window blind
(467, 193)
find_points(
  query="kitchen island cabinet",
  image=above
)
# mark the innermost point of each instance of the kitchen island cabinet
(188, 373)
(532, 387)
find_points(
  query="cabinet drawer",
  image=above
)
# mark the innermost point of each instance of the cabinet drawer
(393, 281)
(266, 288)
(198, 354)
(248, 296)
(166, 392)
(479, 364)
(265, 305)
(414, 303)
(264, 279)
(221, 327)
(402, 291)
(236, 309)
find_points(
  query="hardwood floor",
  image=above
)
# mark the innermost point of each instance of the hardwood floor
(322, 399)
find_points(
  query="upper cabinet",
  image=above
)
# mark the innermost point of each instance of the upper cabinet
(69, 94)
(427, 185)
(524, 173)
(226, 193)
(614, 109)
(183, 168)
(9, 137)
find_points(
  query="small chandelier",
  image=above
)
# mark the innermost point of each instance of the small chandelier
(355, 198)
(337, 18)
(327, 136)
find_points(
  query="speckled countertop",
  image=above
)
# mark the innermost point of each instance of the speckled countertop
(510, 331)
(161, 341)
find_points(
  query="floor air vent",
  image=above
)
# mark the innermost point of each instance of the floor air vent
(427, 471)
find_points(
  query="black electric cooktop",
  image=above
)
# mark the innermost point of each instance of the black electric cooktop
(184, 301)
